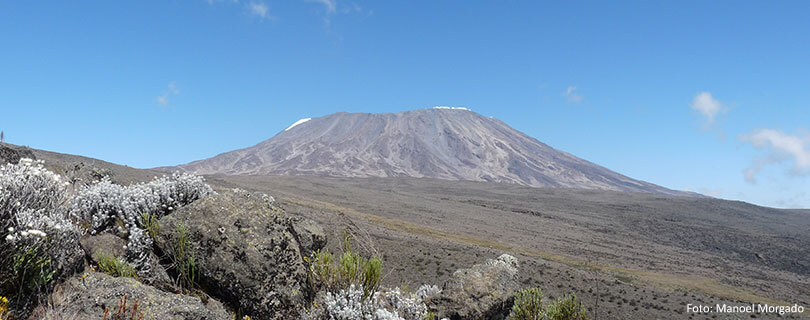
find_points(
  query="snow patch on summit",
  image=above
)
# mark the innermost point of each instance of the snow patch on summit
(297, 123)
(451, 108)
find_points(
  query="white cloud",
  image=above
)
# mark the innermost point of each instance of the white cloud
(780, 147)
(707, 105)
(571, 96)
(163, 99)
(330, 5)
(259, 9)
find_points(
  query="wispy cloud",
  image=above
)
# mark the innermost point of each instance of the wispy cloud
(571, 95)
(163, 99)
(259, 9)
(329, 5)
(212, 2)
(780, 147)
(707, 105)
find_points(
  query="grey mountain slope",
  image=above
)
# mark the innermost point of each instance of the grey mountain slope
(434, 143)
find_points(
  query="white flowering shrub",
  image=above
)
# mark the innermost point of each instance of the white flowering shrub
(37, 234)
(28, 185)
(106, 206)
(104, 203)
(348, 304)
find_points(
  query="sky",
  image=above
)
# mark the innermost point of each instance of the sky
(706, 96)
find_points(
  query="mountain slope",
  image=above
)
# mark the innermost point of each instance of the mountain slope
(454, 144)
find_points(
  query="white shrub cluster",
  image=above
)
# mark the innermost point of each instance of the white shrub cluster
(104, 205)
(32, 218)
(30, 196)
(28, 185)
(40, 224)
(348, 304)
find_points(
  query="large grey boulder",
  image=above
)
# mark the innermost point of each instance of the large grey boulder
(87, 297)
(248, 253)
(485, 291)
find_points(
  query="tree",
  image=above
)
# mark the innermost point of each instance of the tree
(2, 137)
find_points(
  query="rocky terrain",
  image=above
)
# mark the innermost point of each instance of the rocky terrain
(452, 144)
(174, 248)
(625, 255)
(646, 256)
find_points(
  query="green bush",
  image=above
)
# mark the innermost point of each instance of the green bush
(528, 305)
(114, 266)
(351, 269)
(567, 308)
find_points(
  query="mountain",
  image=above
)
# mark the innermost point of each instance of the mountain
(444, 143)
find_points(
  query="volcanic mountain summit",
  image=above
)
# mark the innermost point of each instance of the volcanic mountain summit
(443, 143)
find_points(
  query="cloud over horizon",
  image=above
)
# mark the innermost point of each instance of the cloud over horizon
(780, 147)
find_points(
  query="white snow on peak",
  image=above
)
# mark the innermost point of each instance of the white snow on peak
(451, 108)
(297, 123)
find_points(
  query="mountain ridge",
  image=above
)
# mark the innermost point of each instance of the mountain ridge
(444, 143)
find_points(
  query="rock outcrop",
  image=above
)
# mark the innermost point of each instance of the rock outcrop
(88, 296)
(485, 291)
(107, 243)
(13, 154)
(248, 251)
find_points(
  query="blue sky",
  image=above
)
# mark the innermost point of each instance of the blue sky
(709, 96)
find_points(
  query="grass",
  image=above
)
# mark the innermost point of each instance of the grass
(704, 285)
(114, 266)
(151, 224)
(183, 258)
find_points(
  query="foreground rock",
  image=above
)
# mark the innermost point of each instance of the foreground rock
(106, 243)
(87, 297)
(485, 291)
(248, 251)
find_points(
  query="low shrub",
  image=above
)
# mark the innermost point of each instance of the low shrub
(35, 231)
(351, 269)
(114, 266)
(528, 305)
(133, 211)
(567, 308)
(352, 289)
